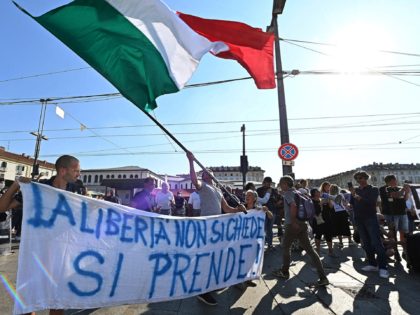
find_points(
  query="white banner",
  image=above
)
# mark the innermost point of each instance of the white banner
(77, 252)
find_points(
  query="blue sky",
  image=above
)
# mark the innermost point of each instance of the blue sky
(365, 116)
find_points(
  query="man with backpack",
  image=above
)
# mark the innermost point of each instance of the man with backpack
(297, 210)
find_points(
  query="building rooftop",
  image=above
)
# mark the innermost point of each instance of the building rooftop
(233, 168)
(116, 169)
(380, 167)
(22, 158)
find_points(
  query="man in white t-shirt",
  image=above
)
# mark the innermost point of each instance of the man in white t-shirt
(164, 200)
(194, 203)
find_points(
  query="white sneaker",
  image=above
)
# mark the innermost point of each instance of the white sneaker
(370, 268)
(383, 273)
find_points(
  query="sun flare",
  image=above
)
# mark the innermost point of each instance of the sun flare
(357, 48)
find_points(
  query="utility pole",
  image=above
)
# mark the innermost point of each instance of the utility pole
(278, 6)
(39, 137)
(244, 159)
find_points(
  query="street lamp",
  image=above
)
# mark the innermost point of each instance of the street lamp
(39, 137)
(278, 6)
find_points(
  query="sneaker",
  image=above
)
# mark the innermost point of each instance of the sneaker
(281, 274)
(383, 273)
(207, 298)
(323, 282)
(370, 268)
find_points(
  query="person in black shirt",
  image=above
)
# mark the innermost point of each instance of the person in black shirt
(179, 206)
(68, 171)
(144, 200)
(363, 199)
(393, 202)
(322, 224)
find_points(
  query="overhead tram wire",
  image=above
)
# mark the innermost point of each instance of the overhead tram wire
(315, 128)
(111, 96)
(335, 45)
(406, 115)
(235, 151)
(97, 134)
(328, 55)
(44, 74)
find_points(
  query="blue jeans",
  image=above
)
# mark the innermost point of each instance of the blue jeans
(269, 230)
(371, 241)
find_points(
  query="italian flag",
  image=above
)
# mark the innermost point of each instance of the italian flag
(141, 46)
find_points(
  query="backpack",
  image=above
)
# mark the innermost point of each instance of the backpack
(305, 207)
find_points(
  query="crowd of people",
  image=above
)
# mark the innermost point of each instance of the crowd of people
(333, 211)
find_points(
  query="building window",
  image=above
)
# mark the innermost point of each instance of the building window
(107, 176)
(89, 178)
(84, 178)
(136, 176)
(131, 176)
(191, 186)
(112, 176)
(20, 168)
(101, 177)
(176, 186)
(119, 175)
(124, 176)
(96, 178)
(3, 164)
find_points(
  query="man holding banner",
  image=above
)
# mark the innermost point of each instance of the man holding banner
(68, 171)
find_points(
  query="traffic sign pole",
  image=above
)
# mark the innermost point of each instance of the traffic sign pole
(284, 128)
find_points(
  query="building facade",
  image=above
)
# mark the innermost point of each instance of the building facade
(404, 173)
(126, 181)
(13, 165)
(234, 174)
(179, 182)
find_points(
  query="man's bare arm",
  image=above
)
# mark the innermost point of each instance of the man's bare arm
(193, 175)
(228, 209)
(7, 201)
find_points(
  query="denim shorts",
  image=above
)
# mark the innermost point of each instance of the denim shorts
(400, 222)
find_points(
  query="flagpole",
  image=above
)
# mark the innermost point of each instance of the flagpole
(186, 151)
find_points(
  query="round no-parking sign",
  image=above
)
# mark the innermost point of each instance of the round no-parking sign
(288, 151)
